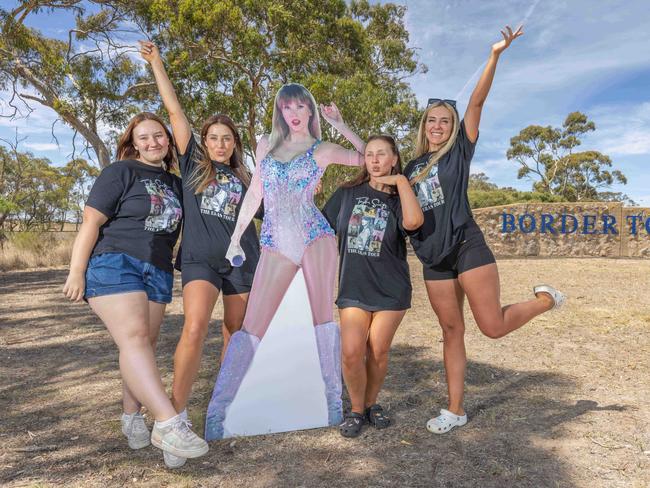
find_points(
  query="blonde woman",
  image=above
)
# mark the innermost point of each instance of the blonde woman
(456, 259)
(290, 163)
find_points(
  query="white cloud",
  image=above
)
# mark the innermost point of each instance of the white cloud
(621, 129)
(42, 146)
(628, 143)
(491, 166)
(642, 200)
(572, 51)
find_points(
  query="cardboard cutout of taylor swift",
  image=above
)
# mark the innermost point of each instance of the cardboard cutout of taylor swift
(295, 236)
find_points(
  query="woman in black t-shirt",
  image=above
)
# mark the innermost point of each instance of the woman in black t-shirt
(456, 259)
(215, 181)
(122, 265)
(371, 216)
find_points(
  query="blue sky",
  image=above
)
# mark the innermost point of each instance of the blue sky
(589, 56)
(575, 55)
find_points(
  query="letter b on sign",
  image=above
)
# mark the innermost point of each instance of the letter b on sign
(507, 223)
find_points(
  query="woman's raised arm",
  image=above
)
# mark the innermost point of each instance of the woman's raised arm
(180, 125)
(479, 95)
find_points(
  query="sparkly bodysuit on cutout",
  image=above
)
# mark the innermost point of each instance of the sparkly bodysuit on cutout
(291, 219)
(295, 235)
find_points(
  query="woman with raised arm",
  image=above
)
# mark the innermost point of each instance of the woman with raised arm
(374, 280)
(122, 265)
(215, 181)
(290, 163)
(456, 259)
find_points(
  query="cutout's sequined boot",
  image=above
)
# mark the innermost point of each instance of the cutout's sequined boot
(328, 340)
(238, 358)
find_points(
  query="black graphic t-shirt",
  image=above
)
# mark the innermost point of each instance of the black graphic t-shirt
(443, 198)
(373, 272)
(210, 219)
(143, 204)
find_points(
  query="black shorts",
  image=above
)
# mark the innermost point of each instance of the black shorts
(349, 302)
(202, 271)
(468, 254)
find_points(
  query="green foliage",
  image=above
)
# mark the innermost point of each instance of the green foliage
(483, 193)
(506, 196)
(481, 182)
(88, 81)
(227, 56)
(36, 195)
(546, 156)
(232, 56)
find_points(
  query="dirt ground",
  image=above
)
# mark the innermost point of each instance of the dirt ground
(564, 402)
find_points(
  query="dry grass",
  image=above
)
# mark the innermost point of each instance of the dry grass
(564, 402)
(26, 250)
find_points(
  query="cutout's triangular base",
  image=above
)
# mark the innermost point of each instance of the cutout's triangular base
(283, 390)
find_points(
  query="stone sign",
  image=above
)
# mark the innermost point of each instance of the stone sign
(566, 229)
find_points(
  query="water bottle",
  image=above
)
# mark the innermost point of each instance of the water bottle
(237, 260)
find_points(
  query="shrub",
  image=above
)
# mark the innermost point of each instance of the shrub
(24, 250)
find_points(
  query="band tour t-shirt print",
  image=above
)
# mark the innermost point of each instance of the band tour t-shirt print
(166, 211)
(428, 191)
(367, 226)
(222, 195)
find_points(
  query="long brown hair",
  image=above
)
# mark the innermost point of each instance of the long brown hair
(422, 143)
(205, 171)
(126, 150)
(279, 128)
(363, 176)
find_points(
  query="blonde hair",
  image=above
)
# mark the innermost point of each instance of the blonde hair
(422, 143)
(280, 129)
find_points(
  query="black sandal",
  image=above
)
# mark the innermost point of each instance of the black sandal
(377, 417)
(352, 425)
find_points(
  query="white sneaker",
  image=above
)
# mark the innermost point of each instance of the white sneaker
(445, 422)
(558, 297)
(135, 430)
(178, 439)
(175, 462)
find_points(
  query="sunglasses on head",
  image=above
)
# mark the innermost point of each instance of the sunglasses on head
(445, 100)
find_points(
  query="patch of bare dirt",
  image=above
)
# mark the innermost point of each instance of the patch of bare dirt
(563, 402)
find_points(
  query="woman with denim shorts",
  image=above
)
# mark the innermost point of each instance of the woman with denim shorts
(122, 265)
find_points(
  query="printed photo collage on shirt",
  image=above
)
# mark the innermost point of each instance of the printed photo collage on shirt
(429, 191)
(166, 211)
(367, 226)
(221, 196)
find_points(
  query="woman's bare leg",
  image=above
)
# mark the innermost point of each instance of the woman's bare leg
(382, 330)
(126, 316)
(156, 313)
(319, 268)
(481, 285)
(446, 298)
(234, 310)
(355, 324)
(199, 298)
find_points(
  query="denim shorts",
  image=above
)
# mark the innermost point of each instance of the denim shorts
(112, 273)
